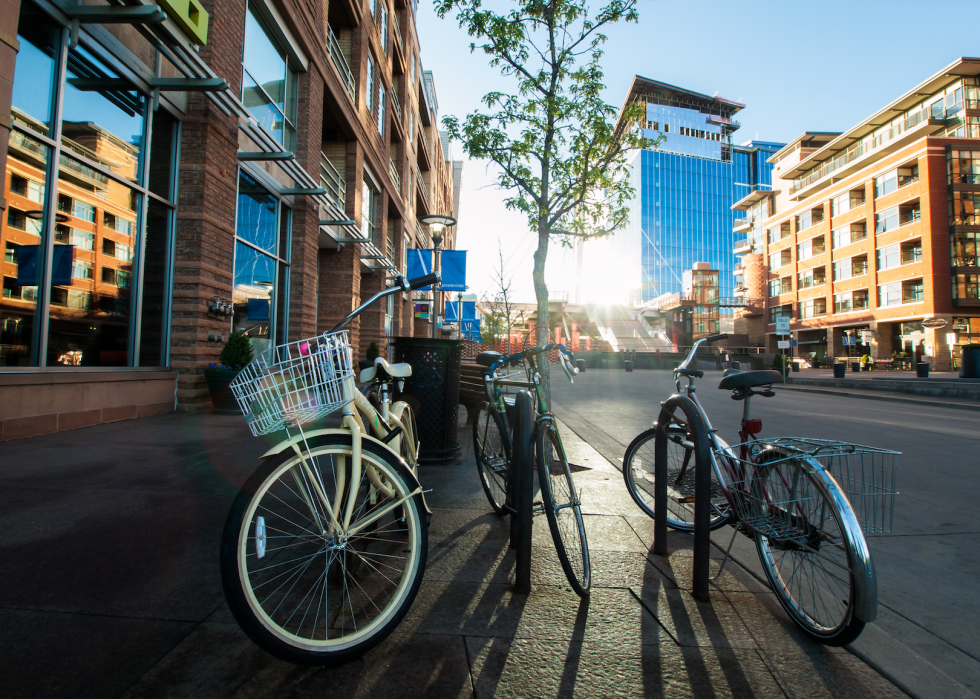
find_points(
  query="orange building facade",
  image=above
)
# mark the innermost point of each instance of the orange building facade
(868, 241)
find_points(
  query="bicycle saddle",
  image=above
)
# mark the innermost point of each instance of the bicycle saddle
(487, 358)
(395, 371)
(734, 378)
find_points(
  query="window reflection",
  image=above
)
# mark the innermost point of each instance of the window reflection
(255, 276)
(34, 74)
(102, 124)
(21, 240)
(256, 214)
(89, 320)
(268, 81)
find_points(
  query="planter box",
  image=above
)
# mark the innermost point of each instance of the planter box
(219, 386)
(970, 368)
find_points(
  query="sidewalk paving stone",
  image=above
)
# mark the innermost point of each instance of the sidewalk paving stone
(111, 557)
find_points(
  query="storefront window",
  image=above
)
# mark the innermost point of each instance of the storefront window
(74, 233)
(260, 264)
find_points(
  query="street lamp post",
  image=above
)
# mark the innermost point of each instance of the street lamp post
(436, 223)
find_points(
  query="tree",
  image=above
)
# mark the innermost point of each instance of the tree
(554, 140)
(497, 317)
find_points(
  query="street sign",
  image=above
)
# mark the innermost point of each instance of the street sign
(782, 325)
(782, 344)
(934, 323)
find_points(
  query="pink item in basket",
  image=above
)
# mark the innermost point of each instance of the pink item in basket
(304, 348)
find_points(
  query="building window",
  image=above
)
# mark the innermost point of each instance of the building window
(813, 308)
(964, 208)
(810, 248)
(381, 110)
(963, 166)
(780, 286)
(383, 26)
(811, 278)
(261, 264)
(808, 219)
(850, 267)
(886, 220)
(784, 311)
(851, 301)
(846, 201)
(899, 293)
(849, 234)
(268, 80)
(966, 287)
(81, 269)
(886, 184)
(963, 248)
(370, 201)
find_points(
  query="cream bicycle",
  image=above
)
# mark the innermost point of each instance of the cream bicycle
(324, 548)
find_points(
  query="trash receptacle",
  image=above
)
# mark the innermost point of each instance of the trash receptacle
(855, 366)
(628, 364)
(840, 370)
(922, 370)
(433, 392)
(795, 366)
(580, 365)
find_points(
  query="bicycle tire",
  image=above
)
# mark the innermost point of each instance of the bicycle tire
(380, 566)
(493, 456)
(640, 459)
(563, 509)
(813, 574)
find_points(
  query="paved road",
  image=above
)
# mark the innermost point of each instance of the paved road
(927, 568)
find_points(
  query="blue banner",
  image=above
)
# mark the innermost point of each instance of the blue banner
(419, 264)
(469, 310)
(453, 270)
(470, 329)
(28, 272)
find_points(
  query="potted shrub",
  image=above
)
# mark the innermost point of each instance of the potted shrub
(372, 353)
(235, 355)
(970, 364)
(865, 362)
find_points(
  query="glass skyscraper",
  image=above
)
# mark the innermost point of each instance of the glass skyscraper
(685, 187)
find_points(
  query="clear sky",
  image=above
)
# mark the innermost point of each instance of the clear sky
(797, 66)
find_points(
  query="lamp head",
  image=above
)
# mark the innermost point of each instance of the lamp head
(437, 223)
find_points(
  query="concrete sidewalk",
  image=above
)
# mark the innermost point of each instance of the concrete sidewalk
(111, 588)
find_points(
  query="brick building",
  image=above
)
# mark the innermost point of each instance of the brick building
(159, 193)
(868, 241)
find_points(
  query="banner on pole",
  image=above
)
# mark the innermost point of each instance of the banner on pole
(419, 264)
(453, 270)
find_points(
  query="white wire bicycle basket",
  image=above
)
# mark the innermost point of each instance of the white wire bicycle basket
(295, 383)
(867, 475)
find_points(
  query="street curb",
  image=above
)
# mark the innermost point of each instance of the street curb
(890, 397)
(905, 668)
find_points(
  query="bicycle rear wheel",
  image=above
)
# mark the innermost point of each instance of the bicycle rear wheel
(492, 449)
(563, 509)
(673, 439)
(820, 570)
(305, 591)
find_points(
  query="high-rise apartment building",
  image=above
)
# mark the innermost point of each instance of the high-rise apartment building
(685, 186)
(176, 173)
(868, 241)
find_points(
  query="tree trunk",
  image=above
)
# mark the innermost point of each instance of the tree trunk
(541, 293)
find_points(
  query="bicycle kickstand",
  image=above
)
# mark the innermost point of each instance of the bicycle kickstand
(725, 559)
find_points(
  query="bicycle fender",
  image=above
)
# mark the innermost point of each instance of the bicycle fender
(309, 434)
(866, 595)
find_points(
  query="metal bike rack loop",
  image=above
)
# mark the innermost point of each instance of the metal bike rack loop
(522, 489)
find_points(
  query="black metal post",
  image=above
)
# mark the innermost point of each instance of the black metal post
(524, 474)
(660, 493)
(702, 524)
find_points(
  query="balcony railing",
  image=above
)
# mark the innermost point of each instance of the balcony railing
(337, 56)
(395, 177)
(423, 239)
(333, 182)
(398, 30)
(425, 192)
(909, 218)
(743, 243)
(861, 149)
(908, 181)
(396, 104)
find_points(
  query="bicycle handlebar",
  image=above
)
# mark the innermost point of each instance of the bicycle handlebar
(694, 350)
(401, 284)
(565, 358)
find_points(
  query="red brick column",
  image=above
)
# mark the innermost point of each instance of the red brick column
(340, 283)
(305, 247)
(204, 235)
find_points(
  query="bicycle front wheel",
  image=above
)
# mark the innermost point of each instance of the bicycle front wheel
(305, 589)
(811, 561)
(492, 455)
(563, 509)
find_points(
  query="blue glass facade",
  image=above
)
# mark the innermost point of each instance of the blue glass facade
(682, 211)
